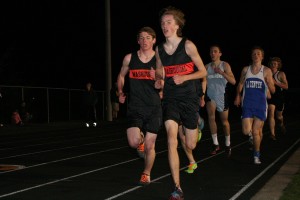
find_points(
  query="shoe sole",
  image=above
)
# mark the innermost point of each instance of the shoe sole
(190, 171)
(140, 154)
(215, 152)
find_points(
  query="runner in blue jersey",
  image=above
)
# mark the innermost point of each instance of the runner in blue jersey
(252, 89)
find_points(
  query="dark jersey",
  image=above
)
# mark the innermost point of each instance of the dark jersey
(279, 92)
(179, 63)
(141, 85)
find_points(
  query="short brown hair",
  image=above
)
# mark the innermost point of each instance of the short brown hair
(177, 14)
(276, 59)
(258, 48)
(148, 30)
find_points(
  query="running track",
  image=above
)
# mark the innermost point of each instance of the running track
(66, 161)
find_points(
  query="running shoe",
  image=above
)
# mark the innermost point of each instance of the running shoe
(199, 134)
(215, 149)
(87, 124)
(94, 124)
(141, 151)
(145, 179)
(191, 168)
(177, 194)
(257, 160)
(228, 151)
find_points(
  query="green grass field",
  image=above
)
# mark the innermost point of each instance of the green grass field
(292, 191)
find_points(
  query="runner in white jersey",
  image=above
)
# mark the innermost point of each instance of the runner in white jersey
(219, 74)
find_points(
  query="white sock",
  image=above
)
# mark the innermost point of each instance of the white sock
(215, 138)
(227, 140)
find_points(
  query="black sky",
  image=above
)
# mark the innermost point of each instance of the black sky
(61, 43)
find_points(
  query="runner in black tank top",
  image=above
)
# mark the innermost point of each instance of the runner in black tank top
(175, 59)
(276, 103)
(144, 112)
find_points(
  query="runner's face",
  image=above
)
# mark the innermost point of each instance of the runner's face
(215, 53)
(257, 55)
(168, 25)
(146, 41)
(274, 65)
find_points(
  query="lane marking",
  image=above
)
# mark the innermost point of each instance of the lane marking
(137, 187)
(262, 173)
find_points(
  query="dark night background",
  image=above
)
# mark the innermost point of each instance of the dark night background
(62, 43)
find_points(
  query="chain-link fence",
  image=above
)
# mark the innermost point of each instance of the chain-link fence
(48, 104)
(61, 104)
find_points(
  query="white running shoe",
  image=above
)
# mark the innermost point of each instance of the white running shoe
(257, 160)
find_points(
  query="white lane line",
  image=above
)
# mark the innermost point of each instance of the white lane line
(234, 197)
(58, 149)
(60, 141)
(63, 179)
(52, 182)
(137, 187)
(262, 173)
(169, 174)
(69, 158)
(70, 177)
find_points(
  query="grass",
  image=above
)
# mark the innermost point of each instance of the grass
(292, 191)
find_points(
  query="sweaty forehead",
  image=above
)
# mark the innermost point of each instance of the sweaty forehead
(257, 52)
(167, 17)
(144, 34)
